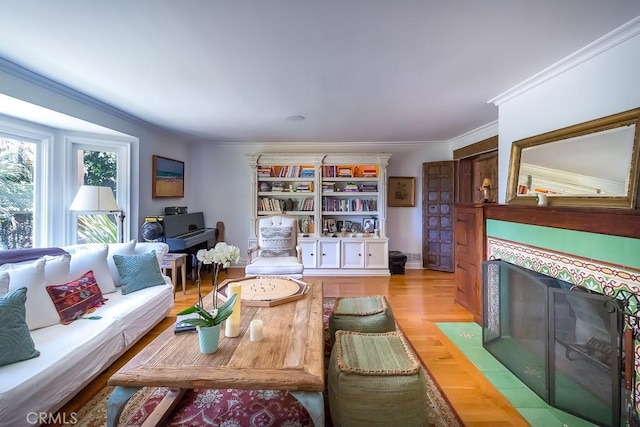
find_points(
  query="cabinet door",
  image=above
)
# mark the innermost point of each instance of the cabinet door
(353, 254)
(329, 252)
(308, 253)
(376, 254)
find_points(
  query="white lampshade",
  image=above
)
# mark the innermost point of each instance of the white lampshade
(94, 199)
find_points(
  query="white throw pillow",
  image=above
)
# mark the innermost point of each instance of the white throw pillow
(128, 248)
(56, 269)
(94, 259)
(40, 309)
(275, 241)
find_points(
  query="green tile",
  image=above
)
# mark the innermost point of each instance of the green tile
(529, 404)
(524, 398)
(503, 379)
(570, 420)
(540, 417)
(462, 333)
(482, 359)
(598, 247)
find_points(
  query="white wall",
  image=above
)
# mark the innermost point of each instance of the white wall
(221, 176)
(602, 85)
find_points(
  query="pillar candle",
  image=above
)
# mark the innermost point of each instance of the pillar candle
(256, 330)
(232, 324)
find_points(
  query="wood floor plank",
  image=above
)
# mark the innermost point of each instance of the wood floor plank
(418, 299)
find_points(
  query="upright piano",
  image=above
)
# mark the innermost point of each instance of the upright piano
(186, 233)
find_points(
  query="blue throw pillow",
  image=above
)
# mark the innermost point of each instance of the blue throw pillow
(138, 271)
(15, 340)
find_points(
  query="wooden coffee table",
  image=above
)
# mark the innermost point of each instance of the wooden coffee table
(290, 357)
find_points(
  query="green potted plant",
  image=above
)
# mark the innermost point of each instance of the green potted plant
(208, 323)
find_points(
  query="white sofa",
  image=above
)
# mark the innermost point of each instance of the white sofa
(72, 355)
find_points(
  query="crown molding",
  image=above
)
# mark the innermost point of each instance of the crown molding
(603, 44)
(479, 134)
(30, 77)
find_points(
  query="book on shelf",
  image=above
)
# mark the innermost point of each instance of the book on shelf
(277, 186)
(328, 187)
(345, 172)
(351, 187)
(307, 172)
(304, 187)
(265, 171)
(369, 172)
(369, 187)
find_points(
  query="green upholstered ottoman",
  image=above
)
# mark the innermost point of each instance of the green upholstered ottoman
(375, 380)
(361, 314)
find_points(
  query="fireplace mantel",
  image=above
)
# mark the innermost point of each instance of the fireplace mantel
(614, 222)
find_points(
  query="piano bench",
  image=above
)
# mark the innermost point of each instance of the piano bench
(174, 262)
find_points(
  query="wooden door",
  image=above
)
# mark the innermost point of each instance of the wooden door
(437, 215)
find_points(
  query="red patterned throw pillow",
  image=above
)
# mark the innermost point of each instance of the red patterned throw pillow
(76, 298)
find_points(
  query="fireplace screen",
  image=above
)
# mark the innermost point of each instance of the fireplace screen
(565, 344)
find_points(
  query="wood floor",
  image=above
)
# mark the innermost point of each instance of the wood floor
(418, 298)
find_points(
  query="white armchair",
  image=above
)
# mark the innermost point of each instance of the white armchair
(277, 252)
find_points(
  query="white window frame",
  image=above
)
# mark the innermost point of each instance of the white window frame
(42, 209)
(122, 147)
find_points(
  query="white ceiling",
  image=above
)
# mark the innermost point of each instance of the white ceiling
(358, 70)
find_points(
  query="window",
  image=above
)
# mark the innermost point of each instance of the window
(100, 163)
(41, 169)
(17, 200)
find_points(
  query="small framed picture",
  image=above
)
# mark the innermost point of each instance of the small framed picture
(368, 224)
(347, 225)
(402, 191)
(339, 225)
(356, 227)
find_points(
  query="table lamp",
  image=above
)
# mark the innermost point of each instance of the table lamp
(92, 198)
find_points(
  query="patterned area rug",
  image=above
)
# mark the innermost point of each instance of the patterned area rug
(239, 408)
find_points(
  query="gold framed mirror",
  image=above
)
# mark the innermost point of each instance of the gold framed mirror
(589, 164)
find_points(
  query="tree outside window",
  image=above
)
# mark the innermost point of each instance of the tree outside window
(17, 162)
(98, 168)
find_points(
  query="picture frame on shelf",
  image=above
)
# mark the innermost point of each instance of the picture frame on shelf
(167, 178)
(402, 191)
(339, 225)
(369, 224)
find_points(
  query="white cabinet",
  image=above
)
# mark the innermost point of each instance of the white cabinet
(369, 253)
(309, 253)
(329, 254)
(376, 254)
(353, 254)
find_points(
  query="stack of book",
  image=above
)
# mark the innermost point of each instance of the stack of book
(328, 187)
(351, 187)
(369, 187)
(305, 187)
(264, 171)
(344, 172)
(369, 172)
(306, 172)
(277, 186)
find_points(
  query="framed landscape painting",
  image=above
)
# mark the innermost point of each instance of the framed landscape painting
(402, 191)
(168, 177)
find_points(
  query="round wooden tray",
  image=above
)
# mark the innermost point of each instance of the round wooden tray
(266, 291)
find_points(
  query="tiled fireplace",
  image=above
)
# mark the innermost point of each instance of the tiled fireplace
(595, 249)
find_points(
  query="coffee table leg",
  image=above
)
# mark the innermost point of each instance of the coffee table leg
(116, 403)
(313, 402)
